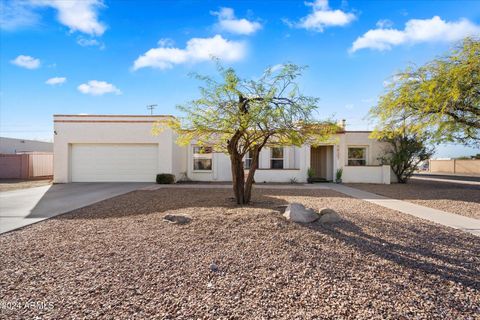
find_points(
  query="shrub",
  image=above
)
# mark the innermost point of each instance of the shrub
(406, 152)
(310, 175)
(338, 174)
(165, 178)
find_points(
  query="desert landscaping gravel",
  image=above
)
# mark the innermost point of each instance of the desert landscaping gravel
(456, 198)
(119, 259)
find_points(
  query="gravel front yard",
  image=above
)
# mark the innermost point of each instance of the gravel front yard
(456, 198)
(15, 184)
(118, 259)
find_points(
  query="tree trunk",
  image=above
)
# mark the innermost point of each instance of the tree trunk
(251, 175)
(399, 173)
(242, 187)
(401, 178)
(238, 177)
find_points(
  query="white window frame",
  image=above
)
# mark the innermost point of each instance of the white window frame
(277, 159)
(202, 156)
(248, 159)
(365, 156)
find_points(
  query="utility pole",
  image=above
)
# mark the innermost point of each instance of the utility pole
(151, 107)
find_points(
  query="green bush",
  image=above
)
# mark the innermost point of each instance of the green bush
(310, 173)
(165, 178)
(339, 173)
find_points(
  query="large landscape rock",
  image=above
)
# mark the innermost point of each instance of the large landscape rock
(328, 215)
(297, 212)
(177, 218)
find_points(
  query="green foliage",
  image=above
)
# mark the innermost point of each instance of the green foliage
(310, 172)
(239, 116)
(165, 178)
(440, 100)
(405, 153)
(339, 173)
(270, 108)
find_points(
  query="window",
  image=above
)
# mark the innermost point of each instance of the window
(357, 156)
(276, 158)
(248, 161)
(202, 158)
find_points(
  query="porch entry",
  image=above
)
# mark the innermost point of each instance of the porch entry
(321, 161)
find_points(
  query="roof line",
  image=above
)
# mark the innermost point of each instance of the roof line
(113, 115)
(104, 121)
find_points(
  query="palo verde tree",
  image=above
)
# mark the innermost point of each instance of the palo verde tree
(441, 98)
(407, 140)
(239, 117)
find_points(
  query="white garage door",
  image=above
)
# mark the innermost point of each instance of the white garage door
(114, 162)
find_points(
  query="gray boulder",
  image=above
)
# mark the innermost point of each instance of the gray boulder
(177, 218)
(297, 212)
(328, 216)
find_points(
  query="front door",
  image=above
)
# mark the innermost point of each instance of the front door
(321, 161)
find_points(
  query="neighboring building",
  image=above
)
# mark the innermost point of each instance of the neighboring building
(25, 159)
(90, 148)
(13, 146)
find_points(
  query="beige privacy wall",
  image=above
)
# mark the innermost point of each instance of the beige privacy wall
(26, 166)
(455, 166)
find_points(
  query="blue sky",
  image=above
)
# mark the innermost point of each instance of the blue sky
(115, 57)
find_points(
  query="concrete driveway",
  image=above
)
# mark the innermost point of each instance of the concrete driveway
(22, 207)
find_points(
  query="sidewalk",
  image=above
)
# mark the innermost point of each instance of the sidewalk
(441, 217)
(432, 178)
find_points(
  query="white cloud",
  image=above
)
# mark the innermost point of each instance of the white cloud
(78, 15)
(322, 17)
(349, 106)
(197, 50)
(384, 23)
(416, 31)
(56, 81)
(84, 42)
(229, 23)
(98, 88)
(26, 62)
(166, 42)
(16, 14)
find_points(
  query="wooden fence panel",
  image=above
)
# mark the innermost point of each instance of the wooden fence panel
(41, 165)
(14, 166)
(26, 165)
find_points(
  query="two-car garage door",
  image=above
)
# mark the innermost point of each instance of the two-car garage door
(114, 162)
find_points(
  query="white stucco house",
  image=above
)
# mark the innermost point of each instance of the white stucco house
(13, 146)
(101, 148)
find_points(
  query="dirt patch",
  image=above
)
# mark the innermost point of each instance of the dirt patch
(14, 184)
(119, 259)
(451, 197)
